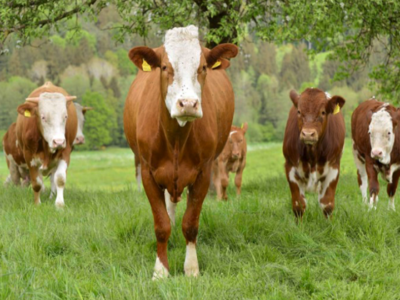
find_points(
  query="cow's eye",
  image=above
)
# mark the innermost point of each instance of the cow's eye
(43, 118)
(164, 68)
(389, 133)
(298, 112)
(323, 113)
(65, 117)
(204, 68)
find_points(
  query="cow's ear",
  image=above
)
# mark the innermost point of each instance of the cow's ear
(294, 97)
(219, 56)
(86, 108)
(145, 58)
(335, 104)
(244, 127)
(27, 109)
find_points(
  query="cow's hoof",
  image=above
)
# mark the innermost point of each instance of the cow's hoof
(60, 205)
(160, 272)
(192, 272)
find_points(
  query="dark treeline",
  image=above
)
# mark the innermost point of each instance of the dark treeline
(90, 65)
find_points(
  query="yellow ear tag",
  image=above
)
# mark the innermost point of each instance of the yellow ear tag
(241, 126)
(216, 65)
(145, 66)
(337, 109)
(27, 113)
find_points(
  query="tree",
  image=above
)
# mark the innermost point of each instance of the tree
(99, 122)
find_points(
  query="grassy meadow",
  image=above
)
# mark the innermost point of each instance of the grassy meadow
(102, 245)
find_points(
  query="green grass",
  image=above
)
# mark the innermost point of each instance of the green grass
(102, 245)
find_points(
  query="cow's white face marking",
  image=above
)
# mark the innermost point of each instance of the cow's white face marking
(53, 117)
(381, 135)
(81, 121)
(160, 271)
(191, 265)
(183, 49)
(232, 132)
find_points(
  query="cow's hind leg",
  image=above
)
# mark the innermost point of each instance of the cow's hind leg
(238, 179)
(138, 171)
(190, 223)
(362, 177)
(171, 207)
(162, 225)
(373, 184)
(60, 178)
(53, 191)
(391, 189)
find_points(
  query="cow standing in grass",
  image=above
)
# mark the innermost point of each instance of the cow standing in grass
(376, 148)
(177, 118)
(45, 129)
(232, 159)
(19, 172)
(312, 146)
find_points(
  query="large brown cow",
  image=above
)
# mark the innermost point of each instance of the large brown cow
(46, 128)
(376, 148)
(312, 146)
(232, 159)
(177, 118)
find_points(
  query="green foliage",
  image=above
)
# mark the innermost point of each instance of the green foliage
(100, 122)
(125, 65)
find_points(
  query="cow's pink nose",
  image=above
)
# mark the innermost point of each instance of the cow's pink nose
(58, 142)
(188, 104)
(309, 133)
(80, 140)
(377, 152)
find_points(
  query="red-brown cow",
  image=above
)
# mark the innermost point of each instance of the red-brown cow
(46, 128)
(232, 159)
(312, 146)
(376, 148)
(177, 118)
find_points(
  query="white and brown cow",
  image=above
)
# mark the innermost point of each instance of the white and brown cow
(376, 148)
(19, 172)
(312, 146)
(177, 118)
(231, 160)
(45, 129)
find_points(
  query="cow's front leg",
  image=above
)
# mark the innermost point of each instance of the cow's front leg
(162, 225)
(391, 189)
(60, 178)
(297, 190)
(373, 184)
(327, 189)
(37, 183)
(191, 218)
(238, 178)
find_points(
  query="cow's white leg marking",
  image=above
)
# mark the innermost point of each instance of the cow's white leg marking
(160, 271)
(391, 204)
(330, 175)
(60, 177)
(373, 202)
(191, 264)
(363, 175)
(139, 177)
(171, 207)
(53, 186)
(40, 182)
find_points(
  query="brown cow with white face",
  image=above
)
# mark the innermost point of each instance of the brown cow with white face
(177, 118)
(376, 148)
(232, 159)
(46, 128)
(312, 146)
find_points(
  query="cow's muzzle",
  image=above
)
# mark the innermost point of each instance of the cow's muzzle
(58, 143)
(377, 153)
(188, 109)
(79, 140)
(309, 136)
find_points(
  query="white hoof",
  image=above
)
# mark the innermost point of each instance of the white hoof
(160, 272)
(60, 204)
(191, 265)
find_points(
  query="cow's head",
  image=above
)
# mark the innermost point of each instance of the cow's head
(381, 132)
(313, 110)
(80, 113)
(236, 141)
(50, 109)
(183, 65)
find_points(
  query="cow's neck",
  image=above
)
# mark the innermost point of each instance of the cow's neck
(175, 135)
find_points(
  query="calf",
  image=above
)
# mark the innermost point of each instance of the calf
(177, 118)
(80, 113)
(46, 128)
(312, 146)
(376, 148)
(232, 159)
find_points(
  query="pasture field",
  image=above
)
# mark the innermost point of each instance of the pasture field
(102, 245)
